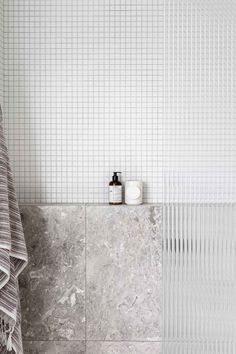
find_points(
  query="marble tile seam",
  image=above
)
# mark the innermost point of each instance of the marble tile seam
(122, 341)
(89, 205)
(103, 341)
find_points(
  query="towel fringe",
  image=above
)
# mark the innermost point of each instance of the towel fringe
(6, 331)
(9, 340)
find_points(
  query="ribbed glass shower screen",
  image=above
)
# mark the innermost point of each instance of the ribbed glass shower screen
(198, 166)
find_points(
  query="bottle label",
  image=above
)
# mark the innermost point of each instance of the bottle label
(115, 194)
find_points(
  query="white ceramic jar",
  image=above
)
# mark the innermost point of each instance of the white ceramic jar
(133, 192)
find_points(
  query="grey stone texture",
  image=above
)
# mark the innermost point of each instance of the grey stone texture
(93, 283)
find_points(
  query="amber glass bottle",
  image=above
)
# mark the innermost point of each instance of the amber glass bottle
(115, 190)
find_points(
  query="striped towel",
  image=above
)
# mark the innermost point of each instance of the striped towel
(13, 256)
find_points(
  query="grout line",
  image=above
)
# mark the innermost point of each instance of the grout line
(121, 205)
(129, 341)
(124, 341)
(96, 340)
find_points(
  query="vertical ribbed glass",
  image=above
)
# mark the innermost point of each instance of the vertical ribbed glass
(198, 129)
(199, 265)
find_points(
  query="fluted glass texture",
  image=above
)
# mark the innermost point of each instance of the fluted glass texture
(198, 166)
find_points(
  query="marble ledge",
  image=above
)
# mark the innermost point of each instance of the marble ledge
(88, 205)
(119, 246)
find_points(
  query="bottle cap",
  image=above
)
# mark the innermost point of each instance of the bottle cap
(115, 176)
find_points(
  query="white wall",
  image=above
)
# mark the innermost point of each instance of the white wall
(1, 52)
(145, 87)
(82, 96)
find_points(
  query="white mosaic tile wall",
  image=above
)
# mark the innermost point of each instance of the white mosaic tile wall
(145, 87)
(1, 52)
(83, 96)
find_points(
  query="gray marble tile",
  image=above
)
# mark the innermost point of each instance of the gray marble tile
(123, 273)
(52, 287)
(60, 347)
(123, 348)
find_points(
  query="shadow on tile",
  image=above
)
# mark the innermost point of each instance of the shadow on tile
(52, 286)
(69, 347)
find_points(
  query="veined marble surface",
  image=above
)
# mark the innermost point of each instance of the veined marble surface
(93, 283)
(53, 347)
(123, 273)
(53, 285)
(123, 348)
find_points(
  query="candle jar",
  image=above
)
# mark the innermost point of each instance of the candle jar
(133, 192)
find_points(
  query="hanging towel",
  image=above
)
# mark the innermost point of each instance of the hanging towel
(13, 256)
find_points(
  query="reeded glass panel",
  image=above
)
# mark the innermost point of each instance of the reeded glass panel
(199, 270)
(198, 144)
(199, 348)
